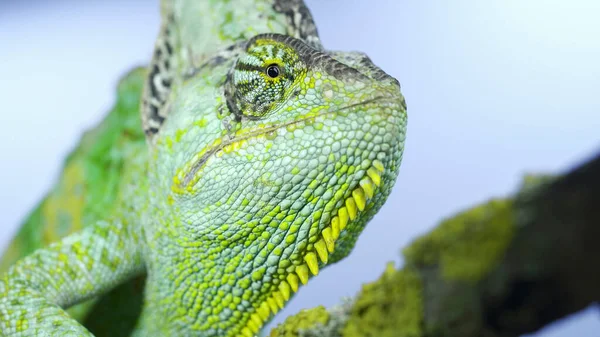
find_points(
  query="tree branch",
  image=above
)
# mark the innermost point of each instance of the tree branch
(501, 269)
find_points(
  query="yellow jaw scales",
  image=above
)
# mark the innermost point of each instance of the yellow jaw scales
(355, 203)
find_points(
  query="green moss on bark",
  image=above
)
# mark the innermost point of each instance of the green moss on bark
(302, 323)
(390, 306)
(466, 246)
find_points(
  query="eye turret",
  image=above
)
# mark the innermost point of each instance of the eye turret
(263, 78)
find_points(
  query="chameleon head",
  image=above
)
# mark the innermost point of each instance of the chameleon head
(308, 148)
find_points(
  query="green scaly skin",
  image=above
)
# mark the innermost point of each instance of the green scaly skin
(258, 159)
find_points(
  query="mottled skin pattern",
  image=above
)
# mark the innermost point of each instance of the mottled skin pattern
(258, 160)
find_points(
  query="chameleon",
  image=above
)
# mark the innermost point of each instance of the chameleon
(241, 161)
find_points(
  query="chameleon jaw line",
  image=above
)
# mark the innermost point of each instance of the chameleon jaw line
(320, 251)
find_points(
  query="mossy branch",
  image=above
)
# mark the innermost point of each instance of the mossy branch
(504, 268)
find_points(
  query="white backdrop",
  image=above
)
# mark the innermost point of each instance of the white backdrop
(494, 90)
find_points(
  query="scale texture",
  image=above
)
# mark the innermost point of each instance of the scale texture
(244, 159)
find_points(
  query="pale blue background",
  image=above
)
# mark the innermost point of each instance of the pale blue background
(494, 89)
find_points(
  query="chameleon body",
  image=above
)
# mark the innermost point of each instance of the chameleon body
(258, 160)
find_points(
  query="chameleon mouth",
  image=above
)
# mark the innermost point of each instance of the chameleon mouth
(317, 254)
(189, 175)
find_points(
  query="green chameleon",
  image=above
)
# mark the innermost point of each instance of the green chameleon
(258, 160)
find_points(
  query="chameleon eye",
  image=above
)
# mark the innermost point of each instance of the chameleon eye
(273, 71)
(263, 77)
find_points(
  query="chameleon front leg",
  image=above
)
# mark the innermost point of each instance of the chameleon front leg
(36, 290)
